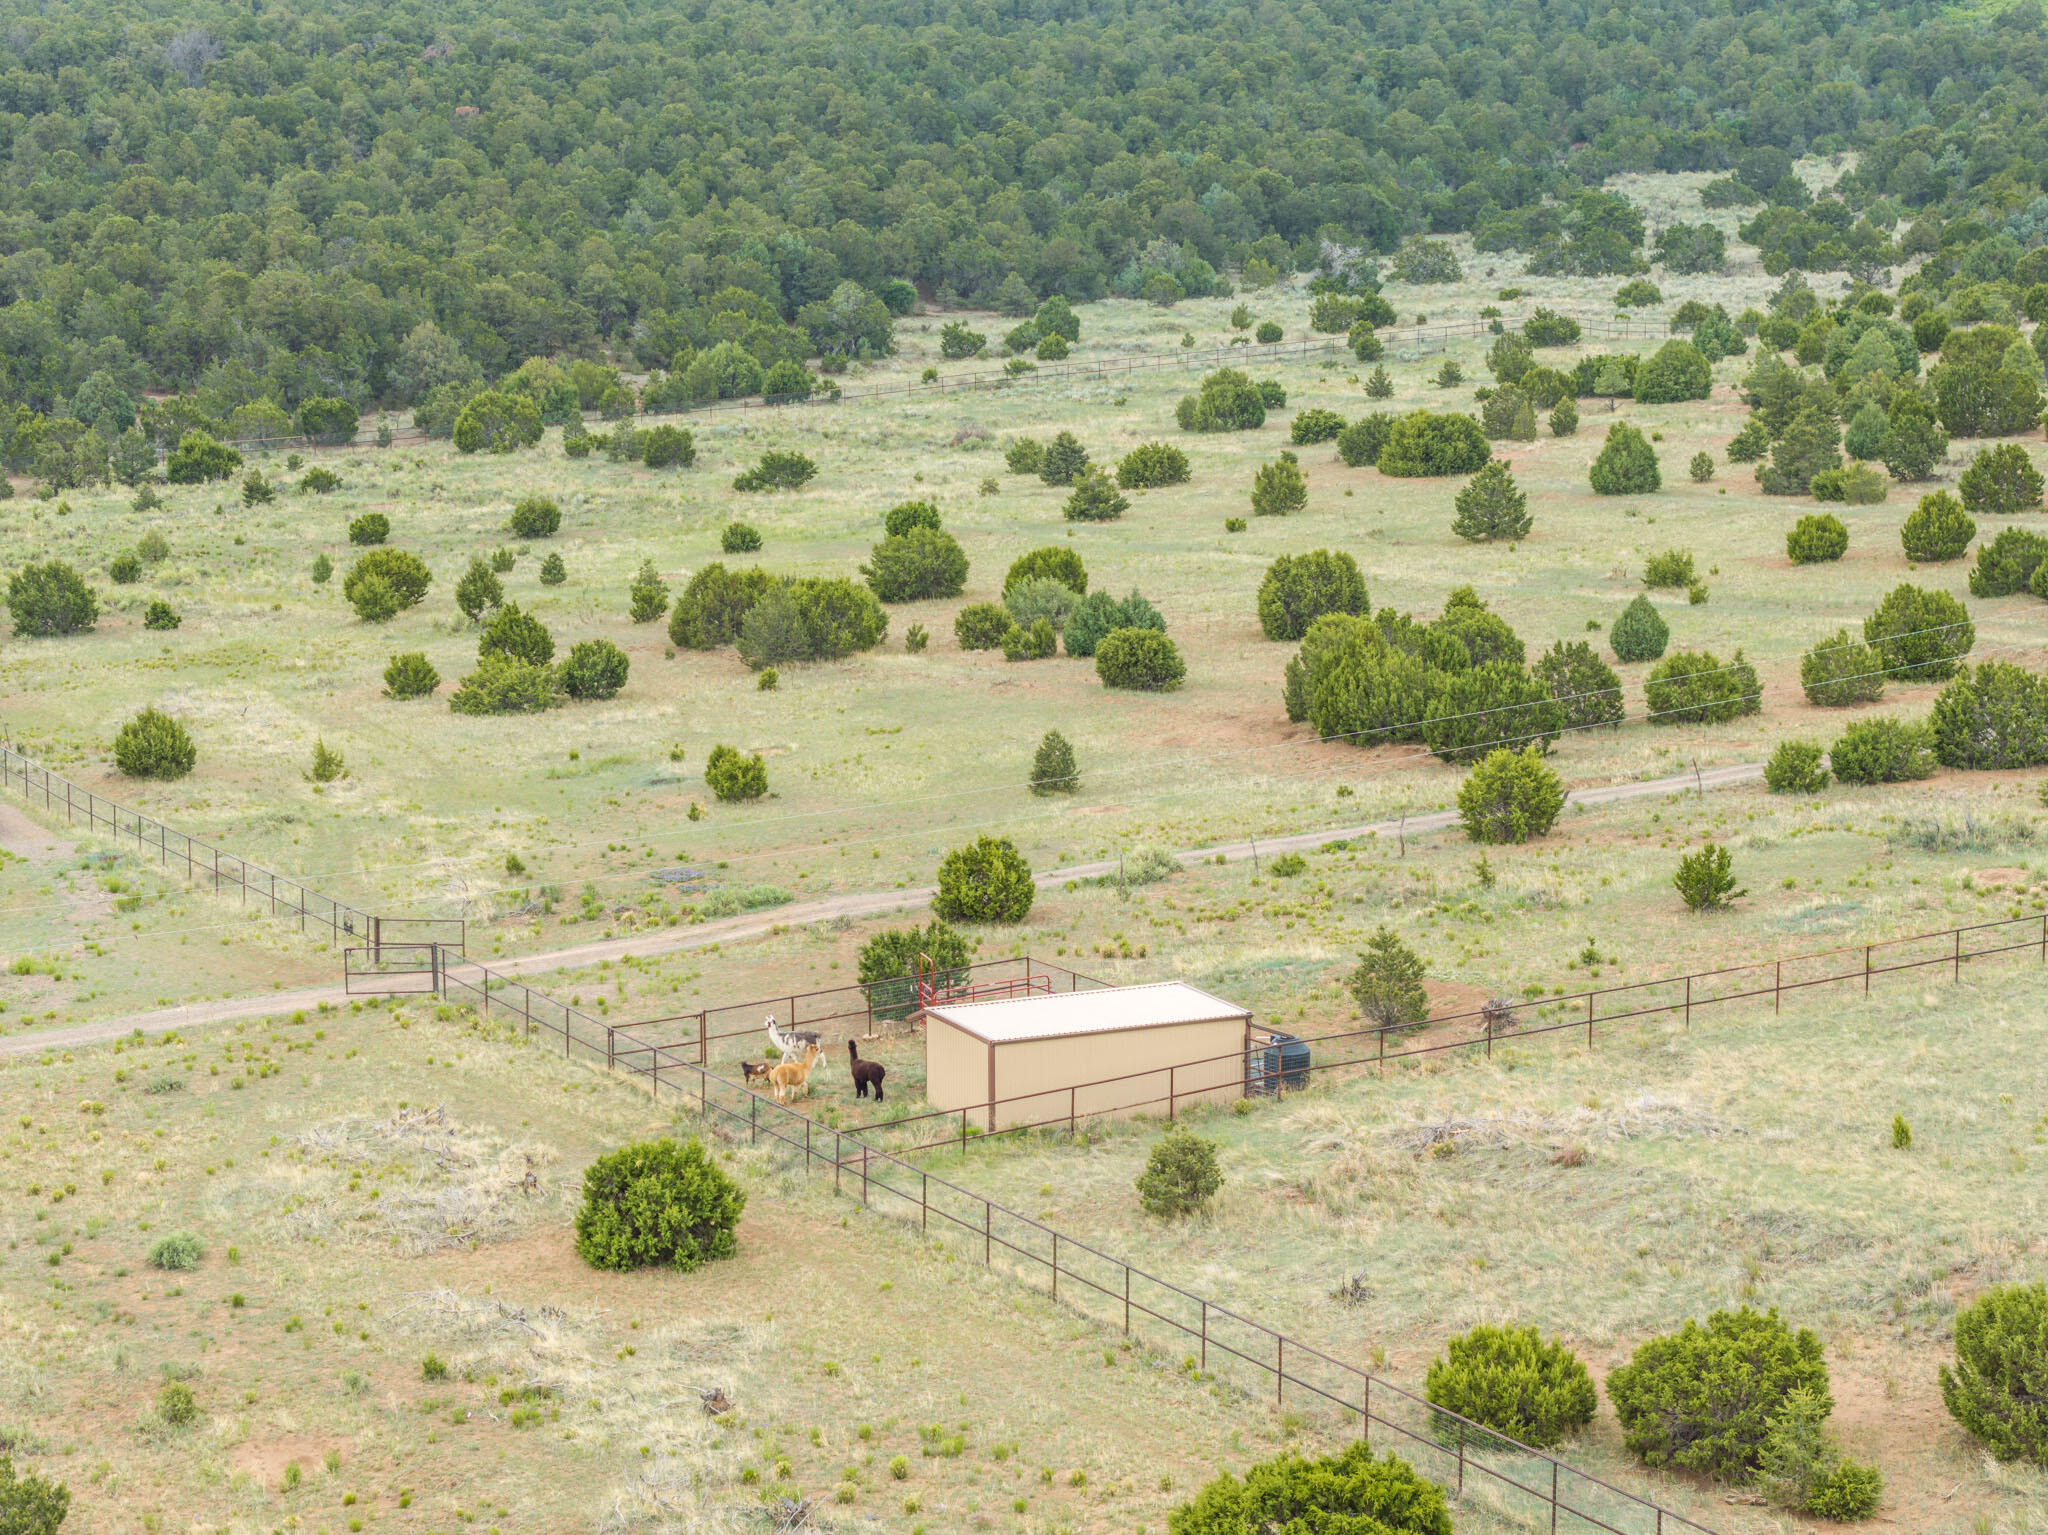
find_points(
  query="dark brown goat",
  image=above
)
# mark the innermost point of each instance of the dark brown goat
(866, 1074)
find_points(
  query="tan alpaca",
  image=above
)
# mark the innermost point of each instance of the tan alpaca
(792, 1079)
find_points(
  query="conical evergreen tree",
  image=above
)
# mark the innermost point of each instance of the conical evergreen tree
(1053, 770)
(1492, 506)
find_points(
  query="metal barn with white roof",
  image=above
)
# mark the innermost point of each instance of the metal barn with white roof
(1055, 1058)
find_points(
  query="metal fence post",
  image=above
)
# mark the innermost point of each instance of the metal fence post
(1172, 1087)
(1204, 1367)
(987, 1230)
(1279, 1369)
(1127, 1300)
(1589, 1020)
(1777, 986)
(1866, 955)
(1055, 1265)
(1959, 954)
(1461, 1457)
(924, 1202)
(1688, 1002)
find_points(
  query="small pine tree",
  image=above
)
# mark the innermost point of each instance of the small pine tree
(1053, 770)
(478, 590)
(1640, 634)
(1278, 488)
(1564, 418)
(323, 570)
(1627, 465)
(1063, 461)
(1492, 506)
(1902, 1133)
(647, 596)
(1095, 498)
(1387, 983)
(552, 571)
(1450, 375)
(1181, 1175)
(327, 763)
(1379, 386)
(1706, 878)
(1701, 468)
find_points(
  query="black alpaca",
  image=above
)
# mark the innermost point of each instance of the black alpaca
(866, 1074)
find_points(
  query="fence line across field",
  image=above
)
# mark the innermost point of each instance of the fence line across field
(1473, 1461)
(206, 864)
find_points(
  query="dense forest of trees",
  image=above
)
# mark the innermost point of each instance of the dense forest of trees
(267, 203)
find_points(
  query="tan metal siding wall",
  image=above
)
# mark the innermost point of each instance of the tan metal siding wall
(955, 1066)
(1039, 1078)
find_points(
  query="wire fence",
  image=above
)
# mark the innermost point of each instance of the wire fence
(205, 864)
(1477, 1465)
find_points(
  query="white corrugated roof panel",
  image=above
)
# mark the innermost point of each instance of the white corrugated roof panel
(1107, 1010)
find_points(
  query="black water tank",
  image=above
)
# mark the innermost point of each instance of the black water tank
(1276, 1063)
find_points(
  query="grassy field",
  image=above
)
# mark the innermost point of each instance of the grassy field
(1742, 1161)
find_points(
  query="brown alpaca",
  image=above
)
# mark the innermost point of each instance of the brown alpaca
(866, 1074)
(793, 1078)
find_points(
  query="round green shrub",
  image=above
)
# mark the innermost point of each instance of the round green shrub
(1312, 426)
(2007, 564)
(915, 565)
(1346, 1492)
(1816, 538)
(594, 669)
(1694, 687)
(552, 571)
(180, 1252)
(1053, 769)
(1701, 1399)
(1427, 443)
(985, 881)
(176, 1404)
(1098, 614)
(1492, 507)
(1510, 796)
(1799, 1468)
(125, 568)
(518, 636)
(1883, 750)
(1040, 598)
(1796, 767)
(733, 538)
(153, 745)
(1387, 982)
(1056, 561)
(410, 675)
(503, 684)
(1936, 530)
(904, 516)
(667, 447)
(982, 626)
(1677, 371)
(1359, 444)
(1300, 588)
(1143, 659)
(1640, 634)
(887, 965)
(368, 529)
(2001, 482)
(1842, 670)
(1627, 465)
(198, 459)
(1095, 498)
(658, 1204)
(1150, 465)
(49, 600)
(385, 582)
(535, 517)
(160, 615)
(1180, 1176)
(1919, 634)
(732, 774)
(1064, 460)
(1510, 1380)
(1564, 418)
(1995, 1388)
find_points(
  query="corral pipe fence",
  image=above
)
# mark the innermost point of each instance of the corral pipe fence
(871, 1004)
(1477, 1465)
(207, 865)
(1573, 1015)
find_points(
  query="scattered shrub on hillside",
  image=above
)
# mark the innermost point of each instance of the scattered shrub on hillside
(1938, 529)
(1359, 444)
(1055, 561)
(1387, 982)
(1507, 413)
(153, 745)
(1816, 538)
(1095, 498)
(1025, 455)
(1842, 670)
(778, 469)
(1150, 465)
(1996, 718)
(1808, 446)
(180, 1252)
(1312, 426)
(1036, 641)
(1564, 418)
(1672, 568)
(1796, 767)
(535, 517)
(517, 635)
(1510, 1380)
(1676, 371)
(1693, 687)
(658, 1204)
(1064, 460)
(370, 528)
(1180, 1176)
(1041, 597)
(2000, 482)
(985, 881)
(2007, 564)
(497, 423)
(1994, 1390)
(1882, 750)
(1705, 881)
(199, 459)
(1487, 705)
(904, 516)
(1701, 468)
(1429, 443)
(50, 600)
(1921, 635)
(594, 669)
(1492, 507)
(1510, 796)
(1627, 465)
(160, 615)
(125, 568)
(668, 447)
(888, 965)
(1852, 485)
(503, 684)
(1587, 691)
(735, 538)
(1378, 386)
(982, 626)
(1278, 488)
(1141, 659)
(1099, 614)
(410, 675)
(1798, 1466)
(1345, 1492)
(915, 565)
(552, 571)
(734, 775)
(714, 604)
(478, 590)
(1300, 588)
(1640, 633)
(1053, 769)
